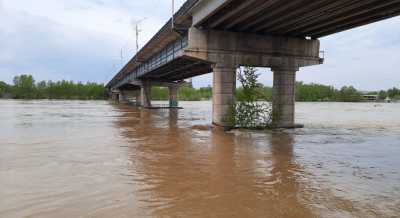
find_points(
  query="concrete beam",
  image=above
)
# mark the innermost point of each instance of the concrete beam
(231, 13)
(141, 83)
(205, 9)
(354, 22)
(296, 16)
(267, 17)
(243, 49)
(336, 16)
(246, 15)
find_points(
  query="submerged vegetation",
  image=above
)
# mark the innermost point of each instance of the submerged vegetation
(25, 87)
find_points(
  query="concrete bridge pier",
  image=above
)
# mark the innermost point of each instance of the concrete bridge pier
(283, 99)
(145, 94)
(173, 96)
(228, 50)
(121, 97)
(138, 98)
(224, 86)
(114, 96)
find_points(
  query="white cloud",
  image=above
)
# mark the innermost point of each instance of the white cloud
(365, 57)
(82, 39)
(79, 40)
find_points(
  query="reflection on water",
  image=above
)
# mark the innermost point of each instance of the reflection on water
(96, 159)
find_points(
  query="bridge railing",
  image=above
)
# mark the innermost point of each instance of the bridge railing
(169, 53)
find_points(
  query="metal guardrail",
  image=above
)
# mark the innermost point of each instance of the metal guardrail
(169, 53)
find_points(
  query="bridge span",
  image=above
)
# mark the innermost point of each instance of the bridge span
(219, 36)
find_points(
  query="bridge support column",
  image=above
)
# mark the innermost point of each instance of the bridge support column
(224, 85)
(121, 97)
(283, 99)
(138, 103)
(145, 94)
(114, 96)
(173, 96)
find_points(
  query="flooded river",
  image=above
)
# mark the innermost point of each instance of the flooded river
(97, 159)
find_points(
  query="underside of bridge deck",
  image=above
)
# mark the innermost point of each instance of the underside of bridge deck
(179, 69)
(298, 18)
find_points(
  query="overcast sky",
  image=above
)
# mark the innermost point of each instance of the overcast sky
(81, 40)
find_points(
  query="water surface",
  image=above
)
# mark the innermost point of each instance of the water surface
(98, 159)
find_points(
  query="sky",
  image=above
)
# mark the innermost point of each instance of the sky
(90, 40)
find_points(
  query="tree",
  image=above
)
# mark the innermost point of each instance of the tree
(248, 112)
(349, 94)
(393, 93)
(382, 95)
(186, 93)
(314, 92)
(24, 87)
(4, 89)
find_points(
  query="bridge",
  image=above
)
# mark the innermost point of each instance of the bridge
(219, 36)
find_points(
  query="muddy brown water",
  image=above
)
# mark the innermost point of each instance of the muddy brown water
(97, 159)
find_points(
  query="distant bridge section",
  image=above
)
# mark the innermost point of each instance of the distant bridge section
(221, 35)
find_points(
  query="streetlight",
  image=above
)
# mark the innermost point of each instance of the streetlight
(137, 30)
(173, 12)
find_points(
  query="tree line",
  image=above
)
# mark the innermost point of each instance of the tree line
(393, 93)
(304, 93)
(186, 93)
(25, 87)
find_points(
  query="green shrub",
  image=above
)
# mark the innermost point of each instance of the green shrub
(248, 111)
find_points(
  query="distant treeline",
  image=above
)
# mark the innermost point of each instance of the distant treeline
(186, 93)
(304, 93)
(25, 87)
(393, 93)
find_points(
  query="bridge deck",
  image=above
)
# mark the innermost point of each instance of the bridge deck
(169, 64)
(298, 18)
(162, 58)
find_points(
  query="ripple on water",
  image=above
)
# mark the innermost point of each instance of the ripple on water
(95, 159)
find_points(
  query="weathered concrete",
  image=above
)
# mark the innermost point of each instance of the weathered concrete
(114, 96)
(173, 96)
(245, 49)
(224, 85)
(286, 36)
(138, 98)
(285, 55)
(145, 93)
(283, 99)
(126, 96)
(300, 18)
(121, 98)
(226, 51)
(140, 92)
